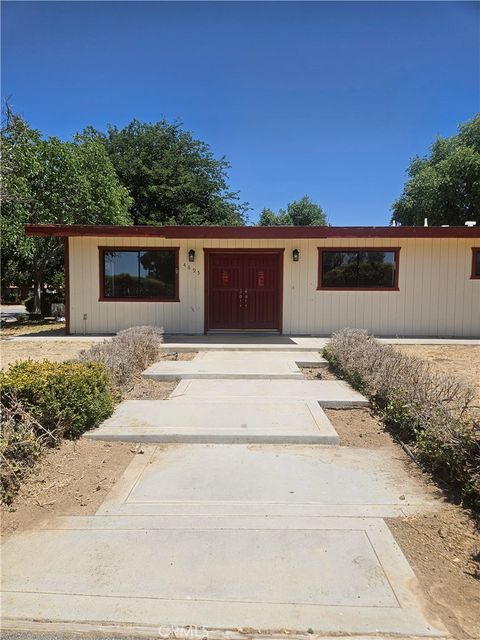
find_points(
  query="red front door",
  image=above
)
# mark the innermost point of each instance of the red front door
(244, 290)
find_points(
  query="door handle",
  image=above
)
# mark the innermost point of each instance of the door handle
(245, 297)
(240, 297)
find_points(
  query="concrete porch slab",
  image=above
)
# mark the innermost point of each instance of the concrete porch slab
(238, 365)
(333, 394)
(269, 481)
(233, 421)
(244, 342)
(344, 575)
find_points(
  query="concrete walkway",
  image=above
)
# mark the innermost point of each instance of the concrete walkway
(234, 397)
(332, 394)
(235, 421)
(269, 537)
(238, 365)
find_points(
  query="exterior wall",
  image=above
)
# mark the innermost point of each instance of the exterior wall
(436, 296)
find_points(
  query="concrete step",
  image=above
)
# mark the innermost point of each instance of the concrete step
(333, 394)
(238, 365)
(344, 575)
(244, 342)
(234, 421)
(243, 481)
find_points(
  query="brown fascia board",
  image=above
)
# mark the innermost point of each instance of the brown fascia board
(253, 233)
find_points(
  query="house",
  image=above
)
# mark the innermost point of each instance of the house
(405, 281)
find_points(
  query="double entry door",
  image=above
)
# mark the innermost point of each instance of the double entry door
(244, 290)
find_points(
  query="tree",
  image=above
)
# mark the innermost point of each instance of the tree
(172, 178)
(444, 187)
(302, 212)
(269, 218)
(51, 181)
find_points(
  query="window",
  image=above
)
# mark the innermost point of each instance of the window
(139, 274)
(476, 263)
(363, 269)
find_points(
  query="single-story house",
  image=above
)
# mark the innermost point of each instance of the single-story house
(404, 281)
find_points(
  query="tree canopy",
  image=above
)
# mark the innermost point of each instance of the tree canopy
(47, 180)
(172, 177)
(301, 212)
(445, 186)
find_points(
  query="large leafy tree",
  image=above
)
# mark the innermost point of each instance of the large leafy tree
(445, 186)
(46, 180)
(172, 177)
(301, 212)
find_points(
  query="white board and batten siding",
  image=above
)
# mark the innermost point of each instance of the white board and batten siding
(436, 295)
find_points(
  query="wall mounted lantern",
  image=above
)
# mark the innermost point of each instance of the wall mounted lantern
(295, 255)
(191, 255)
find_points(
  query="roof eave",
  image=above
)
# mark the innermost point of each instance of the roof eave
(254, 233)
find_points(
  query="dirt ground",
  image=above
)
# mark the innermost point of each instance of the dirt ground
(440, 546)
(459, 360)
(440, 549)
(359, 428)
(72, 479)
(58, 350)
(32, 328)
(318, 373)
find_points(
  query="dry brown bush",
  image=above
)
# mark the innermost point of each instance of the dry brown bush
(426, 406)
(21, 442)
(127, 354)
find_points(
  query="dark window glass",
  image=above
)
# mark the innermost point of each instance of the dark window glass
(140, 274)
(476, 263)
(359, 269)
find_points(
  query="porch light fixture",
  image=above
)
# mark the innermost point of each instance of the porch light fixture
(295, 255)
(191, 255)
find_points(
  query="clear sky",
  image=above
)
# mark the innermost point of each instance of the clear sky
(318, 98)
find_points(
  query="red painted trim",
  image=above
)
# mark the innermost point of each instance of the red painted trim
(259, 250)
(255, 233)
(322, 250)
(207, 251)
(66, 275)
(473, 275)
(281, 260)
(101, 271)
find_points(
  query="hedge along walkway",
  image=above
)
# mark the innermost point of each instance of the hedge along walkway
(433, 411)
(267, 537)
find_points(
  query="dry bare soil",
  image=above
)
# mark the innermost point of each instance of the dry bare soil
(462, 361)
(72, 479)
(32, 328)
(58, 351)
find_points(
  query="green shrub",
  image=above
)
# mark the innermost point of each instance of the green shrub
(426, 407)
(64, 398)
(127, 354)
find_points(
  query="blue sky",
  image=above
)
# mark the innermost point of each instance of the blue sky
(318, 98)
